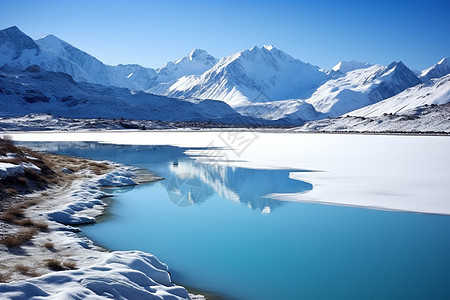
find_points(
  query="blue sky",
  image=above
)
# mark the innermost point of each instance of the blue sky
(320, 32)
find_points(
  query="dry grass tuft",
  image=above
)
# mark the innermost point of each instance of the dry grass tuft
(22, 181)
(49, 246)
(98, 168)
(12, 214)
(19, 239)
(22, 269)
(24, 222)
(57, 265)
(30, 223)
(29, 203)
(40, 225)
(10, 191)
(6, 145)
(26, 270)
(4, 278)
(54, 264)
(70, 265)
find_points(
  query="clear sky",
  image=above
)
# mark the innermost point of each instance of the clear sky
(320, 32)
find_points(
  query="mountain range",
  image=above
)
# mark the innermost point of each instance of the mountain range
(260, 82)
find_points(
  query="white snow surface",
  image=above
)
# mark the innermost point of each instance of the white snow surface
(119, 275)
(8, 169)
(434, 91)
(85, 197)
(403, 173)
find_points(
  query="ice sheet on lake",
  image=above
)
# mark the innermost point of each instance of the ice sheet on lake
(406, 173)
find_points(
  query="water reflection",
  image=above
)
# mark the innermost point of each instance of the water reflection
(187, 181)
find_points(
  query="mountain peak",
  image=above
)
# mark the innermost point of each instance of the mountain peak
(440, 69)
(347, 66)
(13, 39)
(11, 33)
(54, 45)
(197, 54)
(444, 61)
(254, 49)
(195, 63)
(398, 67)
(268, 47)
(13, 29)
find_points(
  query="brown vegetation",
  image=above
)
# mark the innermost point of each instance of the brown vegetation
(70, 265)
(18, 239)
(57, 265)
(49, 245)
(30, 180)
(26, 270)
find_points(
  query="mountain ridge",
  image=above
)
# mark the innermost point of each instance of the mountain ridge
(294, 90)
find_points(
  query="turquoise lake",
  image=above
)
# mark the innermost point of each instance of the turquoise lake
(213, 227)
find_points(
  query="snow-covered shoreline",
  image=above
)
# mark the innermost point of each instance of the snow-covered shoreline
(99, 274)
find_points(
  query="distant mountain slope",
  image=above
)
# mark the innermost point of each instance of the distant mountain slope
(35, 91)
(293, 112)
(241, 77)
(440, 69)
(362, 87)
(78, 64)
(347, 66)
(423, 119)
(434, 91)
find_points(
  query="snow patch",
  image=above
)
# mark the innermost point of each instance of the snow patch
(119, 275)
(7, 169)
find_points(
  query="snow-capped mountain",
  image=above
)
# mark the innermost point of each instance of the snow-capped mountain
(36, 91)
(435, 91)
(53, 54)
(294, 91)
(78, 64)
(195, 63)
(362, 87)
(17, 49)
(241, 77)
(440, 69)
(137, 77)
(141, 78)
(347, 66)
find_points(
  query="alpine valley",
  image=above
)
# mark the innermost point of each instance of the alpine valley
(254, 87)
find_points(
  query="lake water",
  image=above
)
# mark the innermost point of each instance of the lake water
(217, 232)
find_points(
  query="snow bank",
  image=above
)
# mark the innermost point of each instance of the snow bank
(85, 197)
(120, 275)
(118, 177)
(7, 169)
